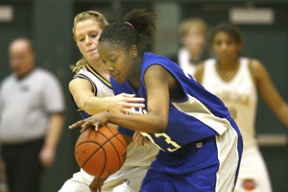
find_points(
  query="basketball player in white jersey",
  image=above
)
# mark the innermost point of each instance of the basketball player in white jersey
(237, 80)
(92, 93)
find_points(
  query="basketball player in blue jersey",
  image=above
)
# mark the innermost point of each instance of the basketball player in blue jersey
(200, 144)
(92, 93)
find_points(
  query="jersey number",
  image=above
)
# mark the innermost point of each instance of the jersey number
(173, 145)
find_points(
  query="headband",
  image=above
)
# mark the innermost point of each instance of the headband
(128, 23)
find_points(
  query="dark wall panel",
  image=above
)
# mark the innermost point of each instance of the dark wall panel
(20, 25)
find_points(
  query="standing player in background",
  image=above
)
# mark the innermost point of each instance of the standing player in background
(31, 118)
(199, 141)
(237, 80)
(192, 32)
(92, 93)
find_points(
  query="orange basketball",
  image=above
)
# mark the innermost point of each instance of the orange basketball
(100, 153)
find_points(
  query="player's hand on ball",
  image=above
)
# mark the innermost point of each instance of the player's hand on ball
(95, 120)
(123, 103)
(139, 138)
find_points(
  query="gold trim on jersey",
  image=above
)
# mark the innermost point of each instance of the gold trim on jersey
(79, 109)
(222, 75)
(94, 88)
(94, 72)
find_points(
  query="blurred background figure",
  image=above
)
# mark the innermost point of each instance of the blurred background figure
(31, 118)
(192, 32)
(238, 80)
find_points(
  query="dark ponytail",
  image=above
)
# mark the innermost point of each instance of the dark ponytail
(135, 29)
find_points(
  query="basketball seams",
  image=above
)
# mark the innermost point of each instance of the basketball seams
(108, 140)
(112, 156)
(124, 144)
(116, 134)
(105, 163)
(100, 146)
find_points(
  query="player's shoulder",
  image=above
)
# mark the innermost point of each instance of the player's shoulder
(256, 65)
(151, 58)
(257, 68)
(79, 81)
(253, 62)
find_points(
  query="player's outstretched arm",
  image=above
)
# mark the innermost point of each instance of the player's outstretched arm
(269, 92)
(81, 90)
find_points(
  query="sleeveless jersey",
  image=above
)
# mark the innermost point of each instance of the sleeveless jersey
(239, 94)
(100, 86)
(198, 116)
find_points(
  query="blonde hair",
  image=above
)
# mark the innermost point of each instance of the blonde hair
(196, 22)
(85, 15)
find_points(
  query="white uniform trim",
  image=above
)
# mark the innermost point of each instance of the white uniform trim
(196, 109)
(227, 160)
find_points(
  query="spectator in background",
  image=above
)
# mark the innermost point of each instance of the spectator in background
(238, 81)
(192, 32)
(31, 118)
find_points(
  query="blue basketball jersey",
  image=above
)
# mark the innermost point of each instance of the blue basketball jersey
(197, 116)
(201, 146)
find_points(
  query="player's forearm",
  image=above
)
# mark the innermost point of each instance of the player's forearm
(94, 105)
(149, 123)
(283, 114)
(54, 131)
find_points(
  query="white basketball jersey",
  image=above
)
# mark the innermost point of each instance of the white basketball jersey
(101, 87)
(238, 93)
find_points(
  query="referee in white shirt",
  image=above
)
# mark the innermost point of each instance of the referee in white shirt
(31, 118)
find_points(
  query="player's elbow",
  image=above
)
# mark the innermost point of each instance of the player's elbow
(161, 128)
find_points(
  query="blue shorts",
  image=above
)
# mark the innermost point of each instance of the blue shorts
(209, 165)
